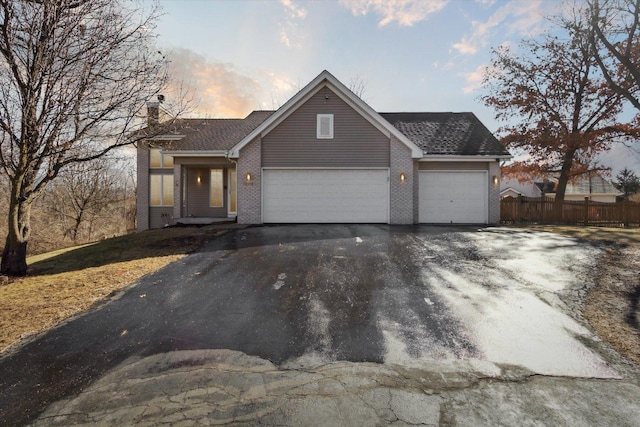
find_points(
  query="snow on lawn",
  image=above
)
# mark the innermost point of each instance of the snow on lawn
(497, 300)
(545, 260)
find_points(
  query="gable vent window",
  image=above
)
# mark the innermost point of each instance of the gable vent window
(325, 126)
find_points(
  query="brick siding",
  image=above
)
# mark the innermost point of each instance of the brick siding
(494, 193)
(416, 192)
(249, 193)
(402, 193)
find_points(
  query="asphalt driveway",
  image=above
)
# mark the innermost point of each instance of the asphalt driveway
(387, 294)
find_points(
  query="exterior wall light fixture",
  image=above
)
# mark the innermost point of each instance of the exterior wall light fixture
(495, 180)
(402, 177)
(199, 179)
(248, 178)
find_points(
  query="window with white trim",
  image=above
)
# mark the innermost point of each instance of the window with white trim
(161, 190)
(217, 189)
(159, 160)
(324, 129)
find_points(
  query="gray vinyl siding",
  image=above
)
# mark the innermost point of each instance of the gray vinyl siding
(453, 166)
(355, 143)
(198, 194)
(160, 216)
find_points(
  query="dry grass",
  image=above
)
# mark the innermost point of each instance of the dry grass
(609, 305)
(618, 236)
(64, 283)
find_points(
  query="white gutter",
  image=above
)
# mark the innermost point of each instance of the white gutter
(456, 158)
(165, 138)
(197, 153)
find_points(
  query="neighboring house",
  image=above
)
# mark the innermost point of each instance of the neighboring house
(595, 188)
(512, 187)
(325, 156)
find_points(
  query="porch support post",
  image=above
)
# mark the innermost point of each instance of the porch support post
(177, 191)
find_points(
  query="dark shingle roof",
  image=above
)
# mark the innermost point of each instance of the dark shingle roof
(447, 133)
(213, 134)
(434, 133)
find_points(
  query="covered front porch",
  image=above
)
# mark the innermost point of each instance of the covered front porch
(206, 190)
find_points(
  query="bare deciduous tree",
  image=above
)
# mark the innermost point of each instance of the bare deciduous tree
(89, 200)
(358, 85)
(73, 77)
(615, 38)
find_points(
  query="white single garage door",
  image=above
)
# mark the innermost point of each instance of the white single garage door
(325, 195)
(452, 197)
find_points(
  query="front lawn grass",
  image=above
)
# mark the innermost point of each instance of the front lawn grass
(64, 283)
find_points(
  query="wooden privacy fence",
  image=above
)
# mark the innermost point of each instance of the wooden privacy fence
(544, 210)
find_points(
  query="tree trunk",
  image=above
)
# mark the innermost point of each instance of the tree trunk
(14, 256)
(76, 225)
(563, 179)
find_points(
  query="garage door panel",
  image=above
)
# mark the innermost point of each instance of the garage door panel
(453, 197)
(325, 195)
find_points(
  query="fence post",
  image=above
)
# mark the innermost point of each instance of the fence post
(586, 211)
(625, 212)
(517, 209)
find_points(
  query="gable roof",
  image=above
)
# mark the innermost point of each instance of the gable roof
(580, 186)
(432, 135)
(591, 185)
(447, 133)
(326, 79)
(526, 188)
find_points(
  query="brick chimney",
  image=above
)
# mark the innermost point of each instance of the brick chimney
(153, 113)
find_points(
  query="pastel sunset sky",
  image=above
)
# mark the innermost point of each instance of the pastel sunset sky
(422, 55)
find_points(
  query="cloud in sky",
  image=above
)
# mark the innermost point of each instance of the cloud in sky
(289, 29)
(404, 12)
(474, 79)
(294, 10)
(217, 88)
(521, 17)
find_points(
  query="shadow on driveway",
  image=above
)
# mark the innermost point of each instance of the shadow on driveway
(277, 292)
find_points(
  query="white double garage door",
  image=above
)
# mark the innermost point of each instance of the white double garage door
(362, 196)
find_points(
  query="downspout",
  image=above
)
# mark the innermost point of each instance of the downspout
(235, 163)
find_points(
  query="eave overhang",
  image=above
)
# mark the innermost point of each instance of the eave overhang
(463, 158)
(196, 153)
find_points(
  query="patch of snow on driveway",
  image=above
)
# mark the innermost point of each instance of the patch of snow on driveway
(496, 298)
(544, 260)
(318, 324)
